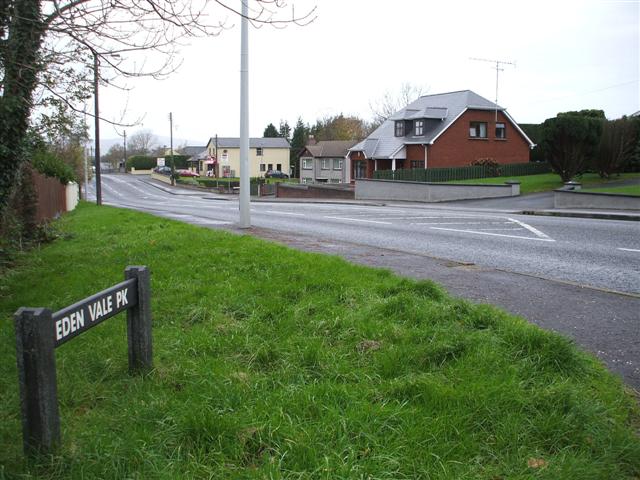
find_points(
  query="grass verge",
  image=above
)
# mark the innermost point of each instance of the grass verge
(273, 363)
(549, 181)
(626, 190)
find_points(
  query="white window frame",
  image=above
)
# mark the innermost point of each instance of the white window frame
(418, 128)
(339, 162)
(476, 129)
(398, 128)
(325, 164)
(502, 127)
(307, 163)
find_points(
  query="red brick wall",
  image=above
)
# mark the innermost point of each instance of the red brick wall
(359, 156)
(284, 190)
(416, 153)
(454, 148)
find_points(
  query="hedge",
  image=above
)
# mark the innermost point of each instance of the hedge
(141, 162)
(51, 165)
(146, 162)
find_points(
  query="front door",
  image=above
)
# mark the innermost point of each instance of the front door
(360, 169)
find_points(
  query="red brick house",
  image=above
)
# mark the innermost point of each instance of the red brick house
(444, 130)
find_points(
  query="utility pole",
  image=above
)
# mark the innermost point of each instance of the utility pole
(96, 82)
(96, 112)
(245, 199)
(499, 69)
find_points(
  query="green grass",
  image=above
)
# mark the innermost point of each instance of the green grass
(626, 190)
(549, 181)
(272, 363)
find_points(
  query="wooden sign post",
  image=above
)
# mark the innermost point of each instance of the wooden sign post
(39, 332)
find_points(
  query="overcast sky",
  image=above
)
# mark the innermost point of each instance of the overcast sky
(568, 55)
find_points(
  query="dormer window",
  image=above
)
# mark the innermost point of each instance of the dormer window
(399, 130)
(418, 128)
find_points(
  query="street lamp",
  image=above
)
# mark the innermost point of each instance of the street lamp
(124, 166)
(245, 199)
(96, 82)
(173, 165)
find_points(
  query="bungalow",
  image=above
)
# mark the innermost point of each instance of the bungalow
(325, 162)
(444, 130)
(222, 156)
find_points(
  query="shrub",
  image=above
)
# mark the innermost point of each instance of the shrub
(617, 143)
(51, 165)
(141, 162)
(493, 167)
(571, 140)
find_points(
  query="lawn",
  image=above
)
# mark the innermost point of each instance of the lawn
(273, 363)
(549, 181)
(626, 190)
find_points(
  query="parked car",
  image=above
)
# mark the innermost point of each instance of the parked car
(163, 170)
(187, 173)
(275, 174)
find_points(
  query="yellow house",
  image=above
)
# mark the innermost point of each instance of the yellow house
(222, 157)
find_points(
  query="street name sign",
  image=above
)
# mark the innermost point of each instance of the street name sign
(39, 332)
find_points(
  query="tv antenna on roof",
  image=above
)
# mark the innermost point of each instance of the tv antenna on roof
(499, 69)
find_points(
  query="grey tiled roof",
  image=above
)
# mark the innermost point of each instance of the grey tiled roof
(234, 142)
(192, 150)
(439, 111)
(330, 148)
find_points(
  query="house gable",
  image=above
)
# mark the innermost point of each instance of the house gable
(455, 147)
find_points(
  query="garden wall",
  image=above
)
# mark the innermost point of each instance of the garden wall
(430, 192)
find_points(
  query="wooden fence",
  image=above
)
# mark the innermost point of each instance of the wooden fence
(51, 197)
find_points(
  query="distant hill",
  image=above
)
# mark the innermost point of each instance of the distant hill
(107, 143)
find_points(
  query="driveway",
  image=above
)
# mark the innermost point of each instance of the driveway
(533, 201)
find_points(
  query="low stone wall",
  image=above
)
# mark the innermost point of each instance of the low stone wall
(140, 172)
(430, 192)
(162, 178)
(594, 200)
(288, 190)
(72, 195)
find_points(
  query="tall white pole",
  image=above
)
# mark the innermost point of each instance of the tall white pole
(245, 199)
(173, 163)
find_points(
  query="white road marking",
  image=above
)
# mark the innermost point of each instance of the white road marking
(109, 188)
(497, 229)
(533, 230)
(629, 250)
(460, 223)
(282, 213)
(358, 220)
(494, 234)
